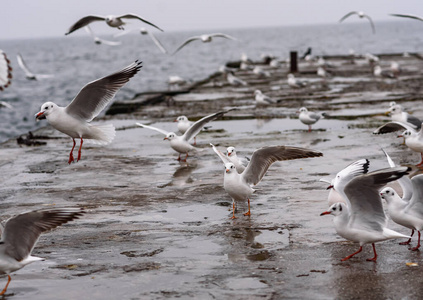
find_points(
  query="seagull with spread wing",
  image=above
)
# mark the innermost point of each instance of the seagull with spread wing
(205, 38)
(74, 119)
(240, 186)
(144, 31)
(361, 15)
(407, 16)
(111, 20)
(21, 233)
(99, 41)
(5, 71)
(28, 74)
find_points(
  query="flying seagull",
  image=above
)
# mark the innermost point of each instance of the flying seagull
(28, 74)
(99, 41)
(144, 31)
(112, 21)
(205, 38)
(361, 15)
(407, 16)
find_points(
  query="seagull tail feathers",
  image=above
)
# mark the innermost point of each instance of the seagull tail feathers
(102, 134)
(391, 234)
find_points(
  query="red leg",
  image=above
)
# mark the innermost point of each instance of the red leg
(349, 256)
(185, 158)
(195, 140)
(7, 284)
(233, 211)
(374, 257)
(421, 163)
(418, 244)
(179, 157)
(71, 159)
(248, 213)
(79, 151)
(309, 128)
(409, 240)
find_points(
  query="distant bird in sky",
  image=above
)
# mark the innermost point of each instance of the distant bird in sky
(21, 233)
(112, 21)
(74, 119)
(205, 38)
(5, 71)
(308, 117)
(28, 74)
(407, 16)
(361, 15)
(99, 41)
(144, 31)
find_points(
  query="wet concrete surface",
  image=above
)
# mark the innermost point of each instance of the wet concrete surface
(156, 228)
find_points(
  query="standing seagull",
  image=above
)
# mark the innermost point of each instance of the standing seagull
(205, 38)
(21, 233)
(294, 82)
(99, 41)
(308, 117)
(112, 21)
(361, 15)
(233, 80)
(74, 119)
(28, 74)
(398, 114)
(144, 31)
(180, 143)
(5, 71)
(262, 99)
(239, 186)
(363, 220)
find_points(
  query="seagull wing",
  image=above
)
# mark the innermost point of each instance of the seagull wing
(132, 16)
(84, 22)
(23, 65)
(157, 42)
(314, 116)
(153, 128)
(414, 121)
(416, 203)
(262, 159)
(371, 23)
(222, 156)
(5, 71)
(22, 231)
(366, 209)
(392, 127)
(347, 15)
(226, 36)
(405, 181)
(187, 42)
(195, 128)
(95, 96)
(97, 40)
(407, 16)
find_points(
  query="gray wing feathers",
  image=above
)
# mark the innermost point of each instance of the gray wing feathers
(224, 159)
(392, 127)
(22, 232)
(187, 42)
(84, 22)
(405, 181)
(347, 15)
(264, 157)
(152, 128)
(132, 16)
(416, 203)
(197, 126)
(95, 96)
(414, 120)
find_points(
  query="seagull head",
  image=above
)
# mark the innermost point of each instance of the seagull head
(336, 209)
(231, 151)
(394, 110)
(170, 136)
(405, 134)
(229, 168)
(181, 119)
(46, 109)
(291, 76)
(388, 194)
(302, 110)
(257, 92)
(143, 30)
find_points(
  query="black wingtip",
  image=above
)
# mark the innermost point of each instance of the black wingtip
(366, 166)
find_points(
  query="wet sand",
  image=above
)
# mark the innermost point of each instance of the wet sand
(157, 228)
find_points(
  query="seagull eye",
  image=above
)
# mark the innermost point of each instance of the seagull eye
(340, 208)
(333, 208)
(46, 107)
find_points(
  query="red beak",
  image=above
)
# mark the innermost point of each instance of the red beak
(229, 154)
(40, 115)
(227, 170)
(400, 135)
(329, 187)
(165, 138)
(325, 213)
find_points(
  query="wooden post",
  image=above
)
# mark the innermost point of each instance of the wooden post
(293, 62)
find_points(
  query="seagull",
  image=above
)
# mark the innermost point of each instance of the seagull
(233, 158)
(260, 72)
(395, 69)
(180, 143)
(413, 138)
(28, 74)
(321, 71)
(240, 186)
(354, 169)
(5, 71)
(233, 80)
(21, 233)
(144, 31)
(379, 72)
(74, 119)
(262, 99)
(112, 21)
(397, 114)
(308, 117)
(294, 82)
(407, 16)
(362, 219)
(205, 38)
(361, 15)
(99, 41)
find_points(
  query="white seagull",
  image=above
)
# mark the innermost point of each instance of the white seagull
(308, 117)
(144, 31)
(363, 220)
(361, 15)
(28, 74)
(262, 99)
(233, 80)
(205, 38)
(413, 138)
(354, 169)
(398, 114)
(5, 71)
(74, 119)
(112, 21)
(21, 233)
(240, 186)
(180, 143)
(294, 82)
(233, 158)
(99, 41)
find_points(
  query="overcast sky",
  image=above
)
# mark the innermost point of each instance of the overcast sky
(47, 18)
